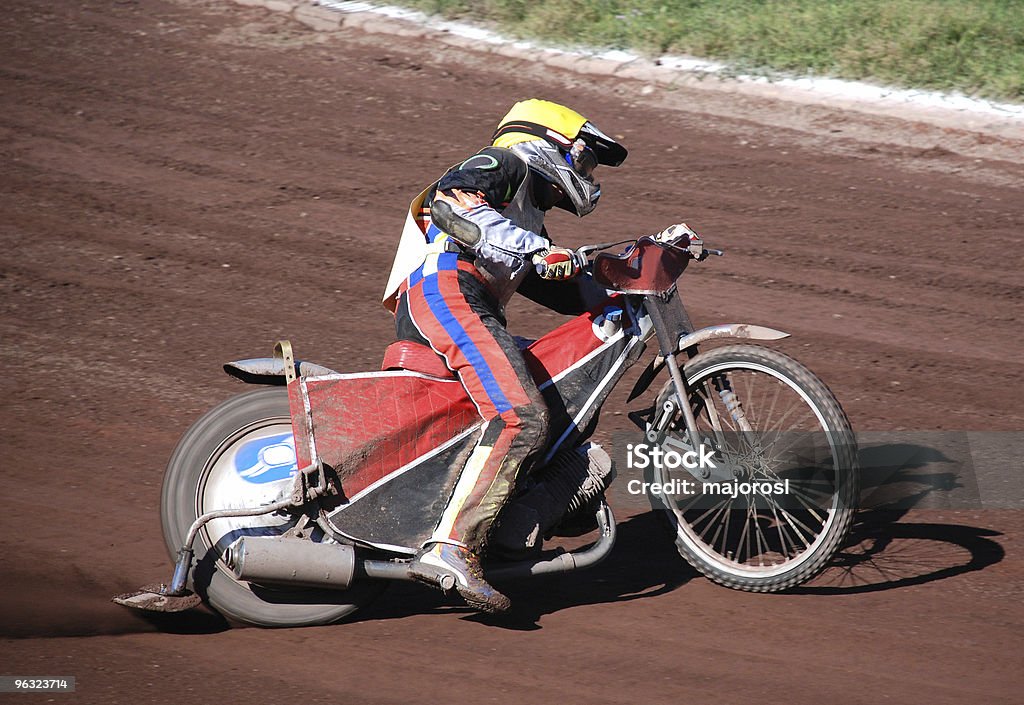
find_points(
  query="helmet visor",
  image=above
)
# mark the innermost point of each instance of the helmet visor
(582, 159)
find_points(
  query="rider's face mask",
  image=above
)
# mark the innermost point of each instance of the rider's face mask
(582, 159)
(544, 193)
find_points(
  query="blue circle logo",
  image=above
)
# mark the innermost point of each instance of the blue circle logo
(267, 459)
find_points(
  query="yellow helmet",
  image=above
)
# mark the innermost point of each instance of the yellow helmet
(562, 146)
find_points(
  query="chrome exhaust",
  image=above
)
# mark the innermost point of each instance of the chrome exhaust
(272, 559)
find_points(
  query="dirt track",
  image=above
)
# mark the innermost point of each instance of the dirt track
(186, 182)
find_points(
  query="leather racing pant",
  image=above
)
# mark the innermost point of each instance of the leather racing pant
(454, 312)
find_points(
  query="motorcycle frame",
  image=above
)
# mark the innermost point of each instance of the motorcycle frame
(660, 315)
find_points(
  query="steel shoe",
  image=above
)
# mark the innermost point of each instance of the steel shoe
(440, 560)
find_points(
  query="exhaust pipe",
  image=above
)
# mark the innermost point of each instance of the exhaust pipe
(333, 566)
(272, 559)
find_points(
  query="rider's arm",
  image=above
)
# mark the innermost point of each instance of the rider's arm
(468, 202)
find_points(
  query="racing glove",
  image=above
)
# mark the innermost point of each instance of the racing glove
(683, 237)
(679, 234)
(556, 263)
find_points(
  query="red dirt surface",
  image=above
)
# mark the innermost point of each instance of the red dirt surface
(186, 182)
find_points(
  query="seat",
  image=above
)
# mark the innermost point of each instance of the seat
(415, 357)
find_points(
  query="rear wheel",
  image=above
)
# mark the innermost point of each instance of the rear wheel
(242, 454)
(783, 500)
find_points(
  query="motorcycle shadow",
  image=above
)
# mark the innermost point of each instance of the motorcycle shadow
(643, 564)
(883, 552)
(201, 620)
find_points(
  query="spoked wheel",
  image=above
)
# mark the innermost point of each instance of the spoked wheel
(242, 454)
(782, 500)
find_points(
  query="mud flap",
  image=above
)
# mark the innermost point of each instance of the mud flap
(392, 443)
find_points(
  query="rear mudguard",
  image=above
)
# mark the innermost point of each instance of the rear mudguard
(271, 370)
(727, 330)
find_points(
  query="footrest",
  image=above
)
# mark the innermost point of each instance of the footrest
(151, 599)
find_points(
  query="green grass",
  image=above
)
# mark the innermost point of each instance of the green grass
(973, 46)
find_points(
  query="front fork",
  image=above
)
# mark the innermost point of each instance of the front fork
(683, 397)
(669, 317)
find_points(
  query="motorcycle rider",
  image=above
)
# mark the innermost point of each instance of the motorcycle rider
(471, 240)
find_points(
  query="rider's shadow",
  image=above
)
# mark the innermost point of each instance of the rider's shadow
(644, 563)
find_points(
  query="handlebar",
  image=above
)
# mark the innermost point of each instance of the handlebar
(695, 248)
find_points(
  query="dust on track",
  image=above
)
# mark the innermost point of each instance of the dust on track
(187, 182)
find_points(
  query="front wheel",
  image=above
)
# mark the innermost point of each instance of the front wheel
(782, 500)
(242, 454)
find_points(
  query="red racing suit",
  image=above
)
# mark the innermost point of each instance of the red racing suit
(454, 302)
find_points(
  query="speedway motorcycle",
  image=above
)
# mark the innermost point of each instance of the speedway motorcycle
(296, 503)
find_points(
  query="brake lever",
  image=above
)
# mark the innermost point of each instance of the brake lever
(584, 252)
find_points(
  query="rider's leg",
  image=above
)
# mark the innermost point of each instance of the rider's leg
(454, 312)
